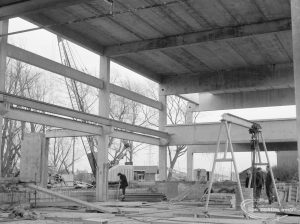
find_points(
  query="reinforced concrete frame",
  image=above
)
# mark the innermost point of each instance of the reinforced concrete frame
(252, 92)
(70, 121)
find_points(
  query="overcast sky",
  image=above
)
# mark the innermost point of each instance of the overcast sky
(45, 44)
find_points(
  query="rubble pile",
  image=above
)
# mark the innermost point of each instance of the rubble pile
(23, 213)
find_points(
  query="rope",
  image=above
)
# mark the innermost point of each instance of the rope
(86, 19)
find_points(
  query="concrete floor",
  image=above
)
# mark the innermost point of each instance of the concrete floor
(138, 212)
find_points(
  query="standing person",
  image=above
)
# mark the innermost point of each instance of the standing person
(269, 186)
(123, 184)
(259, 183)
(247, 182)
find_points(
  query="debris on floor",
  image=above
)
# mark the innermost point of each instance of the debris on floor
(21, 212)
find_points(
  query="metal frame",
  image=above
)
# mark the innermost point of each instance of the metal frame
(255, 129)
(224, 159)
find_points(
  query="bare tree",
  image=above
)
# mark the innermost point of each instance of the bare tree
(177, 109)
(61, 155)
(133, 113)
(22, 81)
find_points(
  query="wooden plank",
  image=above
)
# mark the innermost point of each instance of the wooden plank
(198, 37)
(77, 201)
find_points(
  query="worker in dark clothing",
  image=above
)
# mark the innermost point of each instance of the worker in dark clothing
(259, 183)
(269, 186)
(123, 184)
(247, 181)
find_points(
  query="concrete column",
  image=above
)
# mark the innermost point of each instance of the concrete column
(162, 149)
(190, 156)
(102, 154)
(295, 8)
(190, 164)
(44, 165)
(3, 53)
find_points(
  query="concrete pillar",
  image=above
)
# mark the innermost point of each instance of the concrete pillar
(190, 156)
(102, 154)
(162, 149)
(295, 8)
(44, 166)
(190, 164)
(3, 53)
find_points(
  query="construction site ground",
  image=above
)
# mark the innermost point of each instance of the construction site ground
(145, 212)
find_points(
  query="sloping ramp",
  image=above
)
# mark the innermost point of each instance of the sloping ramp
(77, 201)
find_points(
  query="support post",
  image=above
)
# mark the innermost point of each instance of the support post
(102, 146)
(45, 155)
(190, 155)
(190, 164)
(295, 9)
(162, 123)
(3, 53)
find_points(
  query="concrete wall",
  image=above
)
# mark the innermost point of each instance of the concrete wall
(287, 158)
(34, 159)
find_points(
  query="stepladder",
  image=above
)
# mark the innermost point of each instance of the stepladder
(225, 153)
(258, 161)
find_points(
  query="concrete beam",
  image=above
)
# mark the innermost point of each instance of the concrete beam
(193, 99)
(88, 43)
(245, 79)
(52, 66)
(50, 108)
(245, 147)
(120, 91)
(136, 137)
(53, 121)
(57, 68)
(21, 8)
(250, 99)
(199, 37)
(138, 68)
(65, 31)
(206, 134)
(63, 133)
